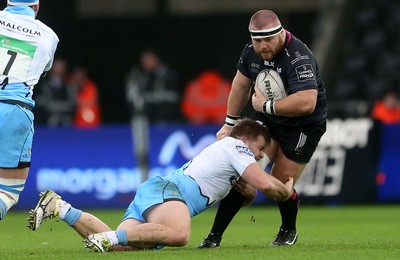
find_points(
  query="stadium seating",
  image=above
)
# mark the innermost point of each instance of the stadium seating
(371, 60)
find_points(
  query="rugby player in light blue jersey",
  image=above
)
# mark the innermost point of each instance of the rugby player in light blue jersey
(161, 211)
(27, 48)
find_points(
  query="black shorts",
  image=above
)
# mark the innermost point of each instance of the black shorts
(298, 143)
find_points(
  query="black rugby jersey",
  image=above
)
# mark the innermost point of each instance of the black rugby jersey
(298, 70)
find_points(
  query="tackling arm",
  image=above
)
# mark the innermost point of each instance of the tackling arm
(247, 190)
(268, 184)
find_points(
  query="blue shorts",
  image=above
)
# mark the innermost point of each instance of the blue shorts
(16, 136)
(154, 191)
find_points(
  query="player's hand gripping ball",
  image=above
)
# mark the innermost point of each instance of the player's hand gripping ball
(271, 85)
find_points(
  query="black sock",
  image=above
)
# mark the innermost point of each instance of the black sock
(288, 210)
(227, 209)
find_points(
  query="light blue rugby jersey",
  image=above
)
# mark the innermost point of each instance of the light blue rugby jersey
(27, 48)
(211, 174)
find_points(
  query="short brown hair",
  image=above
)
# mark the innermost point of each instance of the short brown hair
(250, 129)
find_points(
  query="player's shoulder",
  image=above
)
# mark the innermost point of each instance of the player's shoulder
(296, 44)
(227, 143)
(226, 140)
(249, 58)
(248, 49)
(298, 52)
(45, 28)
(232, 144)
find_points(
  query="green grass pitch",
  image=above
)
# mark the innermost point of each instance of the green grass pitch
(343, 232)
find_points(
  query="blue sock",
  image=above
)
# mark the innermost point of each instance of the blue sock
(3, 209)
(72, 216)
(122, 237)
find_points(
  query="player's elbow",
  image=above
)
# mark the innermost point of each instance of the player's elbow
(307, 108)
(306, 101)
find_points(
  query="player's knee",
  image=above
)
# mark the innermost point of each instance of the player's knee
(10, 189)
(263, 162)
(9, 199)
(5, 203)
(179, 239)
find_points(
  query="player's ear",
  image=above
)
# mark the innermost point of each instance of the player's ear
(35, 8)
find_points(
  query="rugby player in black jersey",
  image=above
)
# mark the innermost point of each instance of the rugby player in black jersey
(296, 122)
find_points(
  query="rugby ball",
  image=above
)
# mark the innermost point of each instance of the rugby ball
(271, 85)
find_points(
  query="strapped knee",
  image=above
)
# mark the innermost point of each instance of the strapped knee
(10, 189)
(263, 162)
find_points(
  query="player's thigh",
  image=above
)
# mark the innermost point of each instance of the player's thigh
(271, 150)
(174, 214)
(15, 173)
(283, 167)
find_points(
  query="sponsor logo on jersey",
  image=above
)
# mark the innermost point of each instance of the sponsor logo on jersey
(6, 41)
(269, 63)
(244, 150)
(287, 52)
(19, 28)
(255, 68)
(299, 57)
(305, 72)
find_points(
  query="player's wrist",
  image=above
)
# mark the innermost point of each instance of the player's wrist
(269, 107)
(231, 120)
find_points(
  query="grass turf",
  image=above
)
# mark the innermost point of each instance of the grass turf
(345, 232)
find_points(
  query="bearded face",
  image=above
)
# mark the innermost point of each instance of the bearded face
(269, 47)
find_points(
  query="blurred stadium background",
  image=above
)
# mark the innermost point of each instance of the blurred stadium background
(356, 43)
